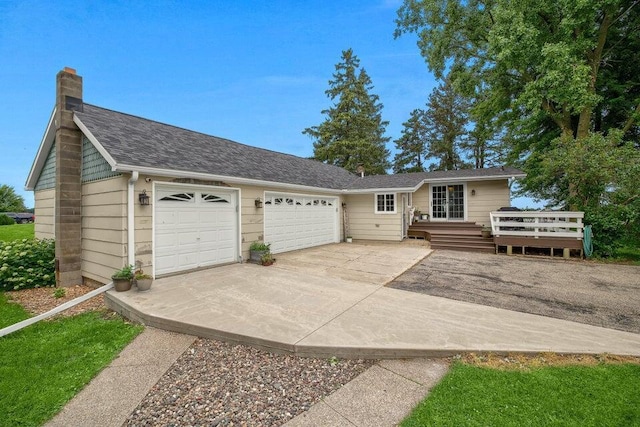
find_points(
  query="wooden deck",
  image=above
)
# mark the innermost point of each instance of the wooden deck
(456, 236)
(538, 229)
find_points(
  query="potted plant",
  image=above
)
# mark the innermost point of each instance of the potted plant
(349, 239)
(257, 250)
(143, 281)
(416, 214)
(267, 259)
(122, 278)
(486, 231)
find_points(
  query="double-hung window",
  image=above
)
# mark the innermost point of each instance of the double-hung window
(385, 203)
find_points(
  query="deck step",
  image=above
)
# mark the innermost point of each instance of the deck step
(466, 248)
(457, 236)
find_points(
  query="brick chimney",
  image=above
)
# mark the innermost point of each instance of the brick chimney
(68, 219)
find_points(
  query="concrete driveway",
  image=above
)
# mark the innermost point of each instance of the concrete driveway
(606, 295)
(331, 301)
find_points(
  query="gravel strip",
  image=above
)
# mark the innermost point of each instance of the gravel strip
(218, 384)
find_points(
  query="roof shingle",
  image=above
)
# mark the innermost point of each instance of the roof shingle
(140, 142)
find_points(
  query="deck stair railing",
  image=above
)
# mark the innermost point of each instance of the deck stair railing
(537, 224)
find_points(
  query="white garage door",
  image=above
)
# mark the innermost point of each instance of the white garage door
(294, 221)
(194, 227)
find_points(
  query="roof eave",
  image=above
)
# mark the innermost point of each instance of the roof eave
(476, 178)
(213, 177)
(41, 155)
(432, 180)
(381, 190)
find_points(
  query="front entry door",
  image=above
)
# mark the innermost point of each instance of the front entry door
(447, 202)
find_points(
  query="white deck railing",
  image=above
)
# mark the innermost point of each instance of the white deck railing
(537, 224)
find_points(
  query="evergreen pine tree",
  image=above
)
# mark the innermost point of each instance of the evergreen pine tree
(446, 117)
(352, 133)
(412, 145)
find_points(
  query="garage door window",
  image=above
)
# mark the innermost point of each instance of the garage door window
(386, 203)
(213, 198)
(179, 197)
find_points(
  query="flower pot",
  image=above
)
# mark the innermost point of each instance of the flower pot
(144, 284)
(121, 285)
(256, 256)
(349, 239)
(486, 234)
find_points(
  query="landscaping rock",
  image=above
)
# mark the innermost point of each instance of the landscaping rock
(215, 383)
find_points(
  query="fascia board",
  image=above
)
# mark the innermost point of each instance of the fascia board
(103, 152)
(382, 190)
(475, 178)
(230, 179)
(41, 155)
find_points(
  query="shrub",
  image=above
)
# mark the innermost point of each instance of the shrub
(125, 272)
(6, 220)
(613, 225)
(260, 246)
(27, 264)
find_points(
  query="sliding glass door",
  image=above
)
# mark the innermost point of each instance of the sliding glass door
(447, 202)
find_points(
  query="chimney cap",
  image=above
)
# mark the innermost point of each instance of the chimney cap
(69, 70)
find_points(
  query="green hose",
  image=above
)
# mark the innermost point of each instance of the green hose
(587, 241)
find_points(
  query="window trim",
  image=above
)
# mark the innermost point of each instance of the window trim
(385, 212)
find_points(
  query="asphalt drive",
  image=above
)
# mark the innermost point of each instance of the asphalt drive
(606, 295)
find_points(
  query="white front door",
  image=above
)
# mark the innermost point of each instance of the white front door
(447, 202)
(194, 227)
(293, 221)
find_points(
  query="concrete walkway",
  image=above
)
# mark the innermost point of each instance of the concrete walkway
(110, 397)
(331, 301)
(381, 396)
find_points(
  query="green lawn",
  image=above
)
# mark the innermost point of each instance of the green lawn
(629, 253)
(13, 232)
(602, 395)
(44, 365)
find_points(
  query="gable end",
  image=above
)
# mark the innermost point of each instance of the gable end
(94, 166)
(47, 178)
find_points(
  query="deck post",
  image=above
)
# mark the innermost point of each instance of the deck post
(565, 253)
(509, 250)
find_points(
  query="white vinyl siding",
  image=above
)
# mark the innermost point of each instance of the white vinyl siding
(364, 224)
(489, 196)
(104, 209)
(45, 213)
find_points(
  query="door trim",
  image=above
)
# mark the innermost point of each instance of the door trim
(465, 201)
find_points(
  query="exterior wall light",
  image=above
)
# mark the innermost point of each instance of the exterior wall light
(144, 198)
(258, 202)
(473, 192)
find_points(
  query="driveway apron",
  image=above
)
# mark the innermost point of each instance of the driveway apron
(330, 300)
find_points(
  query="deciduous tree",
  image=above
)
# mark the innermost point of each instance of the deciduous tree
(10, 201)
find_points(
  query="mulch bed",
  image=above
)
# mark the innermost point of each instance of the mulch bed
(40, 300)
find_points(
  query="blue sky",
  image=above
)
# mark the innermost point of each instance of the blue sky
(251, 71)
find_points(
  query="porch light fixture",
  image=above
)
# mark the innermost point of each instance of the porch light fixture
(473, 192)
(258, 202)
(143, 198)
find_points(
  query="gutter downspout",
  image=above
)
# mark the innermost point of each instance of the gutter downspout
(131, 221)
